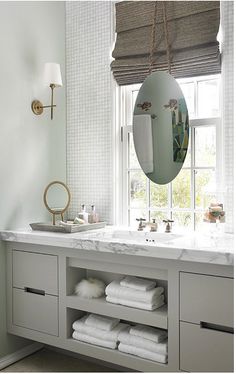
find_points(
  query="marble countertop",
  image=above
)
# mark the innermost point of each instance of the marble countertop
(187, 247)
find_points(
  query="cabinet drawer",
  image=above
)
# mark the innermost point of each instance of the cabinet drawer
(35, 271)
(206, 298)
(35, 312)
(203, 350)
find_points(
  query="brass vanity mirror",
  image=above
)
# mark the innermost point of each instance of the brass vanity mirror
(160, 127)
(56, 198)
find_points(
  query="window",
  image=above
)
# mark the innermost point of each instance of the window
(189, 194)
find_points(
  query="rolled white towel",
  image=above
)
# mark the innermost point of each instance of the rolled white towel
(112, 335)
(126, 338)
(158, 357)
(137, 304)
(92, 340)
(101, 322)
(137, 283)
(150, 333)
(143, 140)
(114, 289)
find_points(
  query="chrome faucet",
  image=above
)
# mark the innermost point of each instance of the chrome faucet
(153, 225)
(168, 224)
(141, 224)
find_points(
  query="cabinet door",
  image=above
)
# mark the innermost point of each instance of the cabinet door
(35, 312)
(34, 270)
(203, 350)
(206, 298)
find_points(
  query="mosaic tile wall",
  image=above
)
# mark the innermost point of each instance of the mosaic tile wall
(89, 105)
(227, 20)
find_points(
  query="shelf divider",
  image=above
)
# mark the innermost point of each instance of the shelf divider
(156, 318)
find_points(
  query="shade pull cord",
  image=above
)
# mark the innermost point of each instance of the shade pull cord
(166, 36)
(153, 39)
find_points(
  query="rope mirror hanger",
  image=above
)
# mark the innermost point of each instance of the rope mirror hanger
(153, 37)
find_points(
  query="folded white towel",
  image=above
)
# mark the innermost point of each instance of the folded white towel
(101, 322)
(150, 333)
(126, 338)
(81, 327)
(137, 304)
(79, 322)
(92, 340)
(142, 353)
(137, 283)
(114, 289)
(142, 132)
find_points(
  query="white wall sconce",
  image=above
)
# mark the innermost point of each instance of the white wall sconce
(52, 79)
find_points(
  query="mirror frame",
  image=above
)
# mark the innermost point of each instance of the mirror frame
(53, 211)
(154, 102)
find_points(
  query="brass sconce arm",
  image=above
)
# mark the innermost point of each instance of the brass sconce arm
(37, 107)
(52, 88)
(52, 78)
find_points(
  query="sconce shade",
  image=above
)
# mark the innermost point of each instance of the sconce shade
(52, 74)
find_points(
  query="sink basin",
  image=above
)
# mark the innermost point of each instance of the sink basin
(144, 236)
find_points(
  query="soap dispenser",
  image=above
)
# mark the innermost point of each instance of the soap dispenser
(83, 214)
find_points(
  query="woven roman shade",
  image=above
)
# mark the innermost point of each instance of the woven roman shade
(192, 28)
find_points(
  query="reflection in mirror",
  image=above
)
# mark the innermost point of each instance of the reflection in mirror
(160, 127)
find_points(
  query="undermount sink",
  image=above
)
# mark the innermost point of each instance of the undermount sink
(144, 236)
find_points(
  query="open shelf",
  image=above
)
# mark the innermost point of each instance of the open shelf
(116, 357)
(75, 274)
(155, 318)
(77, 306)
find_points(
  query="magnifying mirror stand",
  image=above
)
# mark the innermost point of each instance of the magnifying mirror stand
(55, 211)
(54, 217)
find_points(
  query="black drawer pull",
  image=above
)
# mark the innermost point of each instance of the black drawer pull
(212, 326)
(34, 290)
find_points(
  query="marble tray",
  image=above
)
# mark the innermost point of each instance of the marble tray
(68, 228)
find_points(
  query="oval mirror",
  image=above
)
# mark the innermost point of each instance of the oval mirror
(56, 198)
(160, 127)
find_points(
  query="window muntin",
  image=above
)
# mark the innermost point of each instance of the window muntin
(186, 197)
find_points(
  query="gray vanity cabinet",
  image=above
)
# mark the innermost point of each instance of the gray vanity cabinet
(198, 314)
(35, 292)
(206, 326)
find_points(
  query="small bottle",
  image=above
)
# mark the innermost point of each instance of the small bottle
(93, 217)
(83, 214)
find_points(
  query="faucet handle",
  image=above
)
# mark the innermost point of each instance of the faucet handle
(140, 225)
(168, 224)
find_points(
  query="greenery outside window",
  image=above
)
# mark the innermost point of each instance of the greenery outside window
(184, 199)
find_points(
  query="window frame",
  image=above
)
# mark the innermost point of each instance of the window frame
(125, 128)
